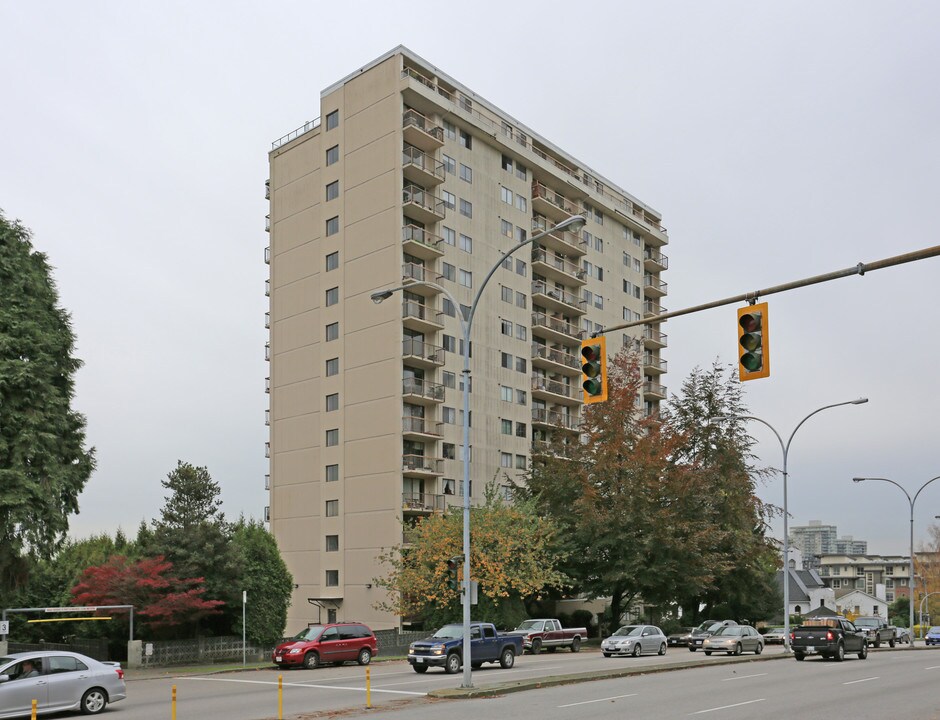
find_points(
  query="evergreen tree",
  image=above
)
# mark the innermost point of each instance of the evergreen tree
(44, 464)
(266, 579)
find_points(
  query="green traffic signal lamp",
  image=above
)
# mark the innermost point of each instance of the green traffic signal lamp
(753, 342)
(594, 369)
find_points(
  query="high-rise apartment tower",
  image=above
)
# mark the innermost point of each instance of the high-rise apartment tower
(409, 176)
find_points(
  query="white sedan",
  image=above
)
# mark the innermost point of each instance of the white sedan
(57, 681)
(635, 640)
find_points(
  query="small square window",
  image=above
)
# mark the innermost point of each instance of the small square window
(332, 120)
(466, 278)
(332, 578)
(332, 508)
(466, 173)
(505, 393)
(332, 543)
(505, 228)
(466, 140)
(505, 460)
(332, 226)
(332, 437)
(521, 267)
(332, 473)
(450, 379)
(522, 203)
(450, 130)
(332, 402)
(447, 307)
(522, 397)
(332, 367)
(521, 365)
(505, 195)
(332, 261)
(505, 293)
(520, 462)
(505, 327)
(332, 155)
(507, 163)
(448, 272)
(332, 296)
(466, 243)
(332, 331)
(466, 208)
(522, 332)
(450, 200)
(450, 343)
(505, 427)
(521, 171)
(450, 451)
(521, 430)
(450, 165)
(332, 190)
(450, 236)
(505, 360)
(520, 300)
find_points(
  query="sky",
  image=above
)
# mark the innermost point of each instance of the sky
(779, 141)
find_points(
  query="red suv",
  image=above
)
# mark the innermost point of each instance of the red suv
(330, 643)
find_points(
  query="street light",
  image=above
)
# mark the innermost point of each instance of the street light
(786, 535)
(911, 502)
(573, 223)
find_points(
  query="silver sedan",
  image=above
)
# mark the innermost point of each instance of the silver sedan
(57, 681)
(635, 640)
(734, 640)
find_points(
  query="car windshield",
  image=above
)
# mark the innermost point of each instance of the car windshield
(726, 631)
(630, 631)
(776, 631)
(530, 625)
(450, 632)
(867, 622)
(934, 629)
(310, 633)
(704, 626)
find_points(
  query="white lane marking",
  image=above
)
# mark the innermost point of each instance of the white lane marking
(725, 707)
(588, 702)
(852, 682)
(743, 677)
(933, 667)
(305, 685)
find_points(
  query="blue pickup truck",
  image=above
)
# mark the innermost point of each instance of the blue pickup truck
(445, 648)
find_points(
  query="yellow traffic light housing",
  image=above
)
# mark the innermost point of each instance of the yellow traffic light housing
(753, 342)
(594, 369)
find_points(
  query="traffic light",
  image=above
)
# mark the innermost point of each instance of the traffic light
(453, 572)
(594, 369)
(753, 342)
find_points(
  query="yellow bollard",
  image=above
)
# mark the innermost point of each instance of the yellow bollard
(34, 710)
(173, 704)
(280, 697)
(368, 688)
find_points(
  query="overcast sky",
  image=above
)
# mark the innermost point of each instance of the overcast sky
(779, 141)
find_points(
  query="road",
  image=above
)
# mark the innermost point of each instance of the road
(880, 686)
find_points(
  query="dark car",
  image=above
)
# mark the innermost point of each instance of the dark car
(679, 638)
(933, 636)
(329, 643)
(707, 628)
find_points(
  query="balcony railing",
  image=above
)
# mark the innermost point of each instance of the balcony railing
(420, 425)
(416, 158)
(652, 308)
(653, 363)
(422, 464)
(655, 260)
(654, 388)
(556, 356)
(562, 296)
(556, 419)
(305, 128)
(552, 386)
(653, 285)
(424, 200)
(556, 199)
(422, 502)
(654, 338)
(539, 255)
(420, 131)
(422, 388)
(419, 311)
(558, 325)
(562, 240)
(418, 348)
(415, 234)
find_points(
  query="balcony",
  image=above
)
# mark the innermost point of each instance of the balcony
(555, 391)
(654, 391)
(421, 132)
(653, 286)
(419, 353)
(421, 243)
(419, 428)
(555, 329)
(419, 317)
(422, 205)
(557, 299)
(551, 448)
(655, 261)
(557, 269)
(419, 502)
(267, 189)
(653, 364)
(413, 275)
(651, 308)
(421, 392)
(555, 360)
(421, 466)
(565, 242)
(653, 339)
(553, 419)
(551, 204)
(420, 168)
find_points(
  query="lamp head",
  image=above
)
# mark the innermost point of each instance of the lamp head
(858, 480)
(379, 296)
(573, 224)
(860, 401)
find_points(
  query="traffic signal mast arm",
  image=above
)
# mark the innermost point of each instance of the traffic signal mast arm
(859, 269)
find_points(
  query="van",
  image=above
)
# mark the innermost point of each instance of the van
(331, 643)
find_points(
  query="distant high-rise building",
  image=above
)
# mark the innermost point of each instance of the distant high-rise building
(816, 539)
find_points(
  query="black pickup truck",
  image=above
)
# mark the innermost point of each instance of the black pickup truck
(831, 637)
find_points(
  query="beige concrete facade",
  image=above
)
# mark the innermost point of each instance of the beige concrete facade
(407, 175)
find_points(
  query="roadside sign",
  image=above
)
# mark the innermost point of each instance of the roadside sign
(4, 627)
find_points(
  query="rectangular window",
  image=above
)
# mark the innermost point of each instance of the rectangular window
(332, 543)
(332, 437)
(450, 380)
(522, 203)
(332, 578)
(332, 226)
(466, 173)
(332, 508)
(587, 296)
(521, 429)
(522, 332)
(466, 208)
(505, 460)
(450, 343)
(466, 243)
(332, 473)
(332, 261)
(450, 236)
(507, 163)
(450, 200)
(521, 171)
(505, 195)
(448, 308)
(505, 427)
(520, 299)
(505, 393)
(466, 140)
(627, 260)
(332, 367)
(505, 360)
(599, 272)
(332, 120)
(449, 415)
(522, 397)
(507, 261)
(450, 451)
(505, 327)
(332, 296)
(599, 302)
(520, 234)
(505, 228)
(450, 130)
(465, 311)
(332, 190)
(505, 293)
(521, 267)
(520, 462)
(332, 331)
(332, 402)
(465, 278)
(521, 365)
(448, 272)
(450, 165)
(332, 155)
(598, 244)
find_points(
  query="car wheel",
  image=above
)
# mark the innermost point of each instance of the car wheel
(799, 656)
(637, 650)
(575, 645)
(877, 643)
(420, 669)
(738, 649)
(94, 701)
(840, 653)
(452, 665)
(863, 653)
(365, 656)
(311, 660)
(891, 643)
(708, 652)
(760, 649)
(691, 649)
(662, 649)
(507, 659)
(536, 646)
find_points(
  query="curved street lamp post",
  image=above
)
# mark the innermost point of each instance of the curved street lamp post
(573, 223)
(911, 501)
(786, 537)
